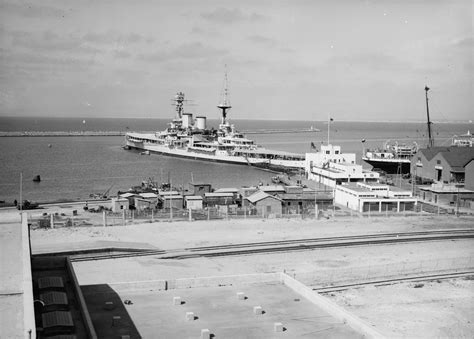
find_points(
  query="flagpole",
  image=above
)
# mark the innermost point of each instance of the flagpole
(329, 123)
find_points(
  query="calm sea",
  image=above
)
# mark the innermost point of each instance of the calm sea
(74, 167)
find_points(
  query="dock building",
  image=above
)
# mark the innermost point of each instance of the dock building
(331, 167)
(364, 197)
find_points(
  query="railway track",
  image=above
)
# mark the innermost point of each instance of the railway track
(384, 282)
(283, 245)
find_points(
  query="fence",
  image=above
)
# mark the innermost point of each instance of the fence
(105, 217)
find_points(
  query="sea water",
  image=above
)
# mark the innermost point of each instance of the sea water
(75, 167)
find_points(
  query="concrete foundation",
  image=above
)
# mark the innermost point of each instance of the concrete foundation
(176, 300)
(240, 295)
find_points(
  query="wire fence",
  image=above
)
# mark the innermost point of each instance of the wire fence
(105, 217)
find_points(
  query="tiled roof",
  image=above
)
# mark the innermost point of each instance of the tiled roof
(257, 196)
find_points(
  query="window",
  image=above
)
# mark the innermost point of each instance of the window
(327, 152)
(438, 162)
(337, 152)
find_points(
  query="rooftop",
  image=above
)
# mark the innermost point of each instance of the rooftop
(153, 314)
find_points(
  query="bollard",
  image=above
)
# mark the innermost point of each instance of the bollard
(205, 334)
(257, 310)
(190, 214)
(176, 300)
(123, 217)
(278, 327)
(52, 220)
(189, 316)
(240, 295)
(104, 218)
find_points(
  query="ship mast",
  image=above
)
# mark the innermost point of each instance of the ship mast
(224, 105)
(430, 139)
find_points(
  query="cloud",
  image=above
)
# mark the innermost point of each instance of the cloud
(193, 50)
(122, 54)
(49, 41)
(224, 15)
(31, 10)
(370, 61)
(110, 37)
(464, 42)
(261, 40)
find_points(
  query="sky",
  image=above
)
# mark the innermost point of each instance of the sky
(287, 60)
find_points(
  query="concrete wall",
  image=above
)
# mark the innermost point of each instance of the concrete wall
(330, 307)
(469, 176)
(27, 288)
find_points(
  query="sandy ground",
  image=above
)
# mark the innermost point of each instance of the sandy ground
(170, 235)
(443, 309)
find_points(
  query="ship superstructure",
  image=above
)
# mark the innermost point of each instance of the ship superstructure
(189, 137)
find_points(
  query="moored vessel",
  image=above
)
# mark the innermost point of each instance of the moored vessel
(190, 138)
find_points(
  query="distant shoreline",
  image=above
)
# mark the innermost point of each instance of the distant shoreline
(61, 134)
(120, 133)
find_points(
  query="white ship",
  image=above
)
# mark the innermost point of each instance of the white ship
(190, 138)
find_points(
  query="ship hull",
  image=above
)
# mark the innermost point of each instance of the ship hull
(392, 166)
(270, 164)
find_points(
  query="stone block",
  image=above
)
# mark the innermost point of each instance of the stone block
(278, 327)
(176, 300)
(241, 295)
(205, 334)
(189, 316)
(257, 310)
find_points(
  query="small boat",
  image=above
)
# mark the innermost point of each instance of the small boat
(37, 178)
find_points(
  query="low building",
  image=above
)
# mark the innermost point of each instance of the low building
(363, 197)
(130, 197)
(442, 164)
(193, 202)
(172, 200)
(265, 204)
(219, 199)
(141, 204)
(246, 192)
(272, 189)
(447, 195)
(469, 175)
(199, 188)
(119, 204)
(331, 167)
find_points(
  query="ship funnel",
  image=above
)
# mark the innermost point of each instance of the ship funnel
(200, 123)
(187, 120)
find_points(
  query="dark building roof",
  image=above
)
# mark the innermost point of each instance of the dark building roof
(430, 153)
(458, 157)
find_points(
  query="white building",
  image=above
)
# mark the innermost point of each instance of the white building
(119, 204)
(364, 197)
(193, 202)
(331, 167)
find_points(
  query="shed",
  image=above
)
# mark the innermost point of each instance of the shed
(119, 204)
(219, 199)
(193, 202)
(173, 201)
(265, 203)
(199, 188)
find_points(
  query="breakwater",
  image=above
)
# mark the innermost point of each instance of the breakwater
(61, 133)
(122, 133)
